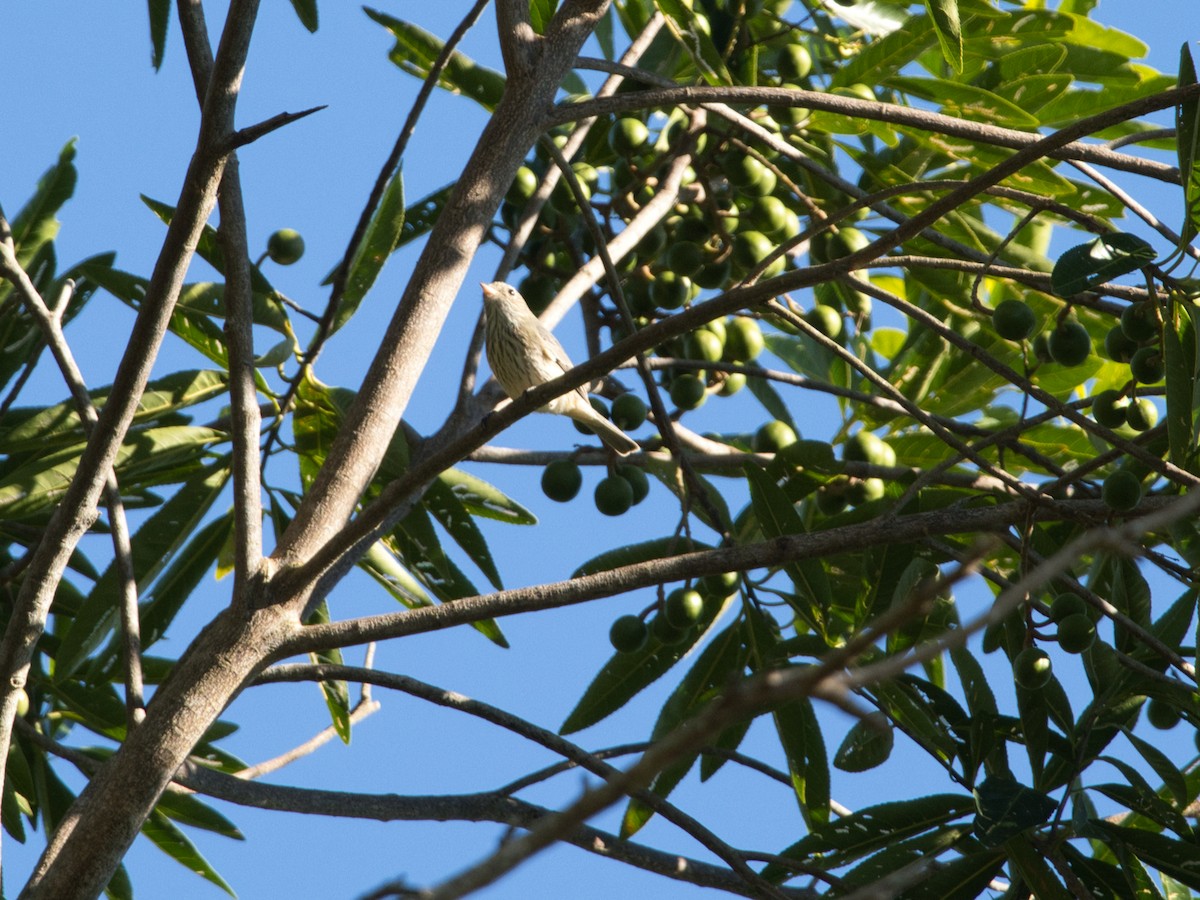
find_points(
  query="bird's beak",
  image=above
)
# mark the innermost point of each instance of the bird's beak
(488, 291)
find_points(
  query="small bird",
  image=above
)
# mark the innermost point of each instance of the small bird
(523, 354)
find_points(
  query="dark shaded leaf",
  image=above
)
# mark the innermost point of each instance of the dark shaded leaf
(1005, 808)
(1107, 257)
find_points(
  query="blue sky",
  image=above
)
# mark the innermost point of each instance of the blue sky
(80, 69)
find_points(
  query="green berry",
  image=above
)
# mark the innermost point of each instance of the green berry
(1146, 365)
(1122, 491)
(561, 480)
(1117, 345)
(825, 319)
(684, 607)
(719, 586)
(1032, 668)
(1139, 322)
(868, 447)
(614, 496)
(628, 634)
(1076, 633)
(1109, 408)
(1067, 604)
(743, 340)
(773, 437)
(1141, 414)
(285, 246)
(688, 392)
(628, 412)
(628, 136)
(1070, 344)
(1013, 320)
(1161, 714)
(638, 480)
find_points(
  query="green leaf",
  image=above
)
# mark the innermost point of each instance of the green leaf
(381, 238)
(1035, 872)
(944, 14)
(540, 14)
(416, 51)
(160, 18)
(1005, 808)
(843, 840)
(867, 744)
(420, 217)
(187, 809)
(188, 567)
(168, 838)
(715, 669)
(777, 517)
(169, 452)
(35, 225)
(804, 747)
(335, 692)
(626, 674)
(658, 548)
(306, 12)
(483, 499)
(683, 22)
(1173, 779)
(23, 430)
(1179, 358)
(1178, 859)
(1187, 126)
(385, 568)
(439, 500)
(1107, 257)
(119, 887)
(153, 546)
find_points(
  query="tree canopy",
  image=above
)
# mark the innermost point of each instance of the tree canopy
(898, 301)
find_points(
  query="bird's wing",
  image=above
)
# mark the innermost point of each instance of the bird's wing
(557, 355)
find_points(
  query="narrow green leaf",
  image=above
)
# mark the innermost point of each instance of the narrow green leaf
(35, 225)
(540, 14)
(306, 12)
(873, 828)
(715, 669)
(443, 505)
(169, 839)
(119, 887)
(335, 693)
(416, 51)
(1035, 872)
(1173, 779)
(483, 499)
(153, 546)
(187, 809)
(385, 568)
(944, 14)
(804, 747)
(1179, 358)
(1187, 125)
(23, 430)
(420, 216)
(658, 548)
(160, 18)
(626, 674)
(381, 238)
(683, 22)
(1179, 859)
(188, 567)
(777, 517)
